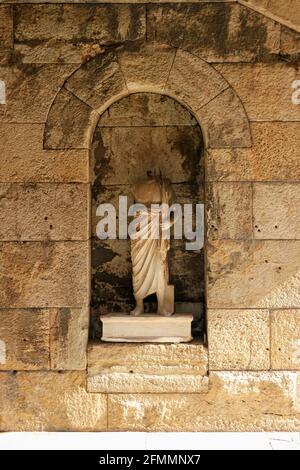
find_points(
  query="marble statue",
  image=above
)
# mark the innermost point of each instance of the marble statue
(149, 255)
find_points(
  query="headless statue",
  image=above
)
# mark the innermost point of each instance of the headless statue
(149, 255)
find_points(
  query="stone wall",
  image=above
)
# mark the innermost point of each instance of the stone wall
(232, 67)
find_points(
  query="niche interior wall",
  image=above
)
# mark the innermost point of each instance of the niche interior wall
(234, 66)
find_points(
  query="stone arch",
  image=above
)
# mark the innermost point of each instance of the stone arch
(156, 68)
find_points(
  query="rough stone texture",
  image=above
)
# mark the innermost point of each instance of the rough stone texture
(147, 368)
(285, 339)
(23, 159)
(287, 12)
(68, 338)
(193, 81)
(123, 155)
(146, 68)
(69, 123)
(49, 274)
(276, 210)
(225, 122)
(50, 401)
(238, 339)
(264, 89)
(215, 32)
(24, 338)
(274, 156)
(98, 81)
(146, 109)
(73, 33)
(290, 45)
(30, 90)
(6, 33)
(57, 211)
(237, 401)
(257, 274)
(229, 210)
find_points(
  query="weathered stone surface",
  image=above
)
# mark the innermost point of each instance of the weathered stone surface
(22, 157)
(146, 109)
(264, 89)
(124, 155)
(225, 122)
(6, 33)
(146, 67)
(285, 343)
(69, 123)
(57, 211)
(238, 339)
(230, 33)
(68, 338)
(257, 274)
(73, 33)
(286, 12)
(98, 82)
(276, 210)
(50, 401)
(147, 368)
(274, 156)
(290, 44)
(229, 210)
(194, 82)
(24, 339)
(36, 274)
(216, 32)
(30, 90)
(237, 401)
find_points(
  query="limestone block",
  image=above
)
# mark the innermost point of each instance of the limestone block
(166, 23)
(287, 11)
(264, 89)
(57, 211)
(147, 67)
(73, 33)
(68, 338)
(290, 43)
(225, 122)
(229, 210)
(257, 274)
(238, 339)
(236, 401)
(50, 401)
(146, 109)
(147, 368)
(230, 33)
(118, 328)
(69, 123)
(24, 339)
(30, 90)
(42, 274)
(6, 33)
(274, 156)
(285, 344)
(23, 159)
(125, 154)
(98, 82)
(192, 81)
(276, 210)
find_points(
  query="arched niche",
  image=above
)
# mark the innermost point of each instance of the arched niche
(140, 133)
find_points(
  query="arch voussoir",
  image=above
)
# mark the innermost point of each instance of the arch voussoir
(154, 67)
(225, 121)
(69, 122)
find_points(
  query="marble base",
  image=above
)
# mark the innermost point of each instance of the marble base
(147, 328)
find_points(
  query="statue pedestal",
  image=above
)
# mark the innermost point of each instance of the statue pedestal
(147, 328)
